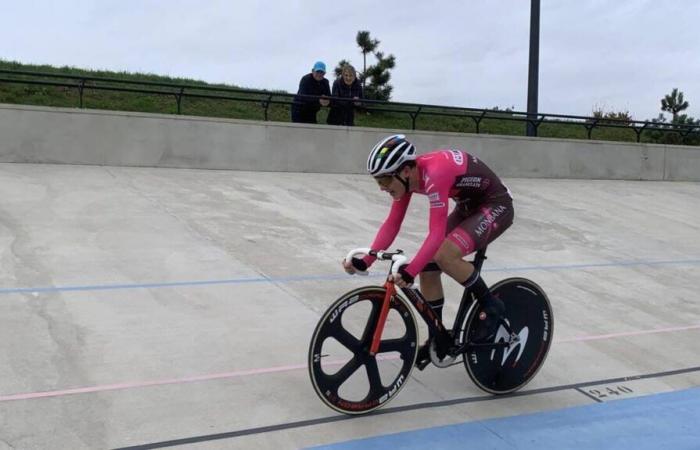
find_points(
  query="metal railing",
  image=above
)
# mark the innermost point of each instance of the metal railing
(265, 99)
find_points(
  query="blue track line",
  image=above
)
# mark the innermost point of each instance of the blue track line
(294, 279)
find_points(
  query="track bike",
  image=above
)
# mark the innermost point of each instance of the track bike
(374, 327)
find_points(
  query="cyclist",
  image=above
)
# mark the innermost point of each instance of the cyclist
(483, 211)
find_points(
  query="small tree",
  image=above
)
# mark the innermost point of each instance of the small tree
(375, 78)
(367, 45)
(674, 103)
(614, 117)
(379, 76)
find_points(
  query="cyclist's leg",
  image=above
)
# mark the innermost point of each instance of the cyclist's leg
(431, 287)
(430, 281)
(479, 228)
(449, 258)
(485, 224)
(449, 255)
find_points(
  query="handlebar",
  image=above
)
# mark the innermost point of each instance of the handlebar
(398, 258)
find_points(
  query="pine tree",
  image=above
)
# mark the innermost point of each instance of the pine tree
(366, 45)
(674, 104)
(379, 76)
(375, 78)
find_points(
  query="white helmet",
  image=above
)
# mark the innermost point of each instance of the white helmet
(389, 154)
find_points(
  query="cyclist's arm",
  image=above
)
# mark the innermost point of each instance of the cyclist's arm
(439, 204)
(390, 228)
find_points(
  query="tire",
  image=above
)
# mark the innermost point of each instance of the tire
(529, 314)
(334, 332)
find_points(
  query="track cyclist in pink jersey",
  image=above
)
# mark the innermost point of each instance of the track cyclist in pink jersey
(484, 210)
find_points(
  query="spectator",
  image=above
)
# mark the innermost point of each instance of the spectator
(346, 86)
(304, 109)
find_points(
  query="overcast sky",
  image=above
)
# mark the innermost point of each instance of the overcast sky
(609, 54)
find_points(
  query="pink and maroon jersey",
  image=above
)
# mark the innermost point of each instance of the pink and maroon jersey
(444, 174)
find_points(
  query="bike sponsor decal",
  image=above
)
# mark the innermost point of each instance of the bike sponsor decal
(342, 306)
(487, 221)
(545, 317)
(394, 389)
(354, 406)
(360, 406)
(435, 196)
(437, 204)
(425, 310)
(520, 345)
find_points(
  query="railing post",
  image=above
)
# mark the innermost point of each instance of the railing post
(590, 126)
(478, 121)
(81, 87)
(534, 125)
(413, 117)
(639, 132)
(266, 105)
(531, 129)
(178, 98)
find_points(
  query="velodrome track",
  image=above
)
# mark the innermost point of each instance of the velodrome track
(150, 308)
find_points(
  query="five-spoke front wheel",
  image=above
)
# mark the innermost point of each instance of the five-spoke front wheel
(343, 373)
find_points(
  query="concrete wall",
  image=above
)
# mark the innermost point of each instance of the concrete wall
(73, 136)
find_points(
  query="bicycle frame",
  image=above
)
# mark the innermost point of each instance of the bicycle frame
(418, 301)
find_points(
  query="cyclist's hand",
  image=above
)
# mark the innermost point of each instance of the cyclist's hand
(347, 266)
(402, 279)
(355, 266)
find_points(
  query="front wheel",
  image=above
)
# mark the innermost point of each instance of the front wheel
(506, 368)
(340, 347)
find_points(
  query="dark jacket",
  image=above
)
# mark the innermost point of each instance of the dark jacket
(304, 109)
(343, 112)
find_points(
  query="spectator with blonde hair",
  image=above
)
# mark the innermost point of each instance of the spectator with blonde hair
(347, 86)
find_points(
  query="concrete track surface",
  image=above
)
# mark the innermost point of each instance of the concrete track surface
(171, 307)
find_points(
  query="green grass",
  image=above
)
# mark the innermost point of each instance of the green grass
(251, 110)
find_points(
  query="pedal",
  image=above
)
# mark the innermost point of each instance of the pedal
(422, 364)
(435, 359)
(423, 357)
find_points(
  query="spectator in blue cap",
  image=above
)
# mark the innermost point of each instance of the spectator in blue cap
(314, 84)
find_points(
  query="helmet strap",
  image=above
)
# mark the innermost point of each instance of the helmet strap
(403, 181)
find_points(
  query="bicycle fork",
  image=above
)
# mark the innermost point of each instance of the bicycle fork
(377, 337)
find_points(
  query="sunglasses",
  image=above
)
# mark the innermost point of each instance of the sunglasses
(384, 181)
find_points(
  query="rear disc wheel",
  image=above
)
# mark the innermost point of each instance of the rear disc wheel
(501, 370)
